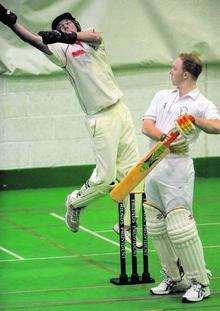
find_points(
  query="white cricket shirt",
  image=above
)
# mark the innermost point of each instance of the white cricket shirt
(167, 106)
(89, 72)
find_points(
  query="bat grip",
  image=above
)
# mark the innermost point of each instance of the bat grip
(172, 136)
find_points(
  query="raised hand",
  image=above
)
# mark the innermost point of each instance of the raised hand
(7, 17)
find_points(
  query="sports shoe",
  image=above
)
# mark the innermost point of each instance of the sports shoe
(169, 286)
(128, 236)
(72, 214)
(196, 293)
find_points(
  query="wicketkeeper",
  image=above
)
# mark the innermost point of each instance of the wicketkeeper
(82, 55)
(169, 187)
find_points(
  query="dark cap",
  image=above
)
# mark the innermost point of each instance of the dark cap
(63, 16)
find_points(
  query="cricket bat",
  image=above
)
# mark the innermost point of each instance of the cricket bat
(142, 168)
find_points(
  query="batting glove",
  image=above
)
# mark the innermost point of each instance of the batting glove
(185, 125)
(179, 146)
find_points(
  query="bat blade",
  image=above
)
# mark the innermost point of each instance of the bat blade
(142, 168)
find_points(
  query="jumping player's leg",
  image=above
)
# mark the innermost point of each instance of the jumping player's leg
(105, 132)
(78, 199)
(127, 156)
(138, 202)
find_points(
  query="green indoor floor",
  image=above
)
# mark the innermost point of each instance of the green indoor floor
(46, 267)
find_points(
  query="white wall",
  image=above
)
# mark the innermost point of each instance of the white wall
(40, 119)
(41, 123)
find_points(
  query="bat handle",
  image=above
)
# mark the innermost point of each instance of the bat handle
(172, 136)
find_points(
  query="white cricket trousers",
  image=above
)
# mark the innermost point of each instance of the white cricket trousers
(116, 151)
(170, 184)
(114, 143)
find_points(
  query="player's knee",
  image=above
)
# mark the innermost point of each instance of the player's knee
(105, 187)
(108, 179)
(87, 193)
(155, 221)
(104, 184)
(180, 225)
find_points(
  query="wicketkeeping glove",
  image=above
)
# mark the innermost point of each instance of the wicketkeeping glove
(7, 17)
(185, 125)
(54, 36)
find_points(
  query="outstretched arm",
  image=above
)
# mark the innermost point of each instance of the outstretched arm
(29, 37)
(43, 38)
(10, 19)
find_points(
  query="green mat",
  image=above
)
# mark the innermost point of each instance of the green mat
(46, 267)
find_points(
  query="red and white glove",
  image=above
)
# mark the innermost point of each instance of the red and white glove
(185, 125)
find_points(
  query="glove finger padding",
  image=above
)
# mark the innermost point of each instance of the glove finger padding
(179, 146)
(185, 126)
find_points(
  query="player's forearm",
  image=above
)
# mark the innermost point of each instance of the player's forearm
(23, 33)
(26, 35)
(9, 18)
(33, 39)
(149, 129)
(210, 126)
(89, 36)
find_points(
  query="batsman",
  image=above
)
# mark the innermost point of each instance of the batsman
(169, 186)
(82, 55)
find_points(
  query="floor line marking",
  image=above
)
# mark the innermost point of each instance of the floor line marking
(139, 228)
(19, 258)
(53, 289)
(209, 224)
(67, 256)
(104, 231)
(86, 255)
(32, 291)
(146, 298)
(11, 253)
(61, 257)
(211, 246)
(91, 232)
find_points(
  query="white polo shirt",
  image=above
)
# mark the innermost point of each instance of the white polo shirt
(167, 106)
(89, 72)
